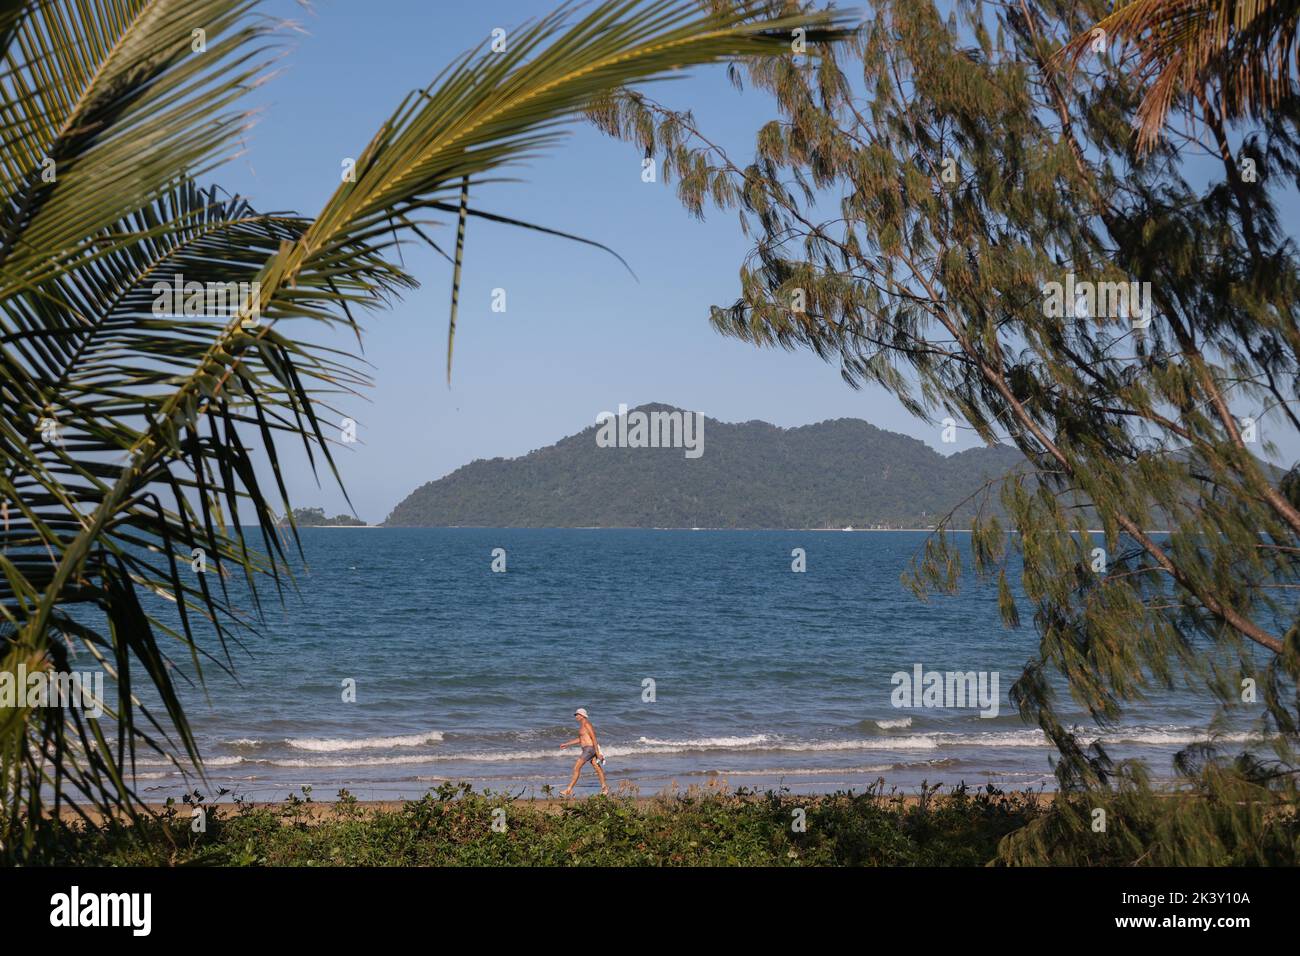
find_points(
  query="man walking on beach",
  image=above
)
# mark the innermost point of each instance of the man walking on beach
(590, 752)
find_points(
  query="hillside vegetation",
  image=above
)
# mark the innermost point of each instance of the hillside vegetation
(750, 475)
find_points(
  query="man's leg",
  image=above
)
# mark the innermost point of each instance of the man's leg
(577, 769)
(604, 787)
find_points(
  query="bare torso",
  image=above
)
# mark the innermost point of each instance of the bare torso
(591, 752)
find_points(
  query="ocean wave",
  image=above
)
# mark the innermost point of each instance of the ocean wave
(305, 763)
(758, 743)
(810, 771)
(893, 724)
(365, 743)
(336, 745)
(709, 743)
(222, 761)
(554, 732)
(341, 753)
(1174, 738)
(913, 742)
(208, 762)
(1157, 736)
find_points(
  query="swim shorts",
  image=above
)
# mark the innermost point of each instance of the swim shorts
(588, 753)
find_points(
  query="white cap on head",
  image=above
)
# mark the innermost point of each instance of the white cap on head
(580, 712)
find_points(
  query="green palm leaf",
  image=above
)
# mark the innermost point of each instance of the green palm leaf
(159, 416)
(102, 105)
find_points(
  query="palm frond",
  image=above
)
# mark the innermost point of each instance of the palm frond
(158, 416)
(104, 104)
(1247, 47)
(93, 356)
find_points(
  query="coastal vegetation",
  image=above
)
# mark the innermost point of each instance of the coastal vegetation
(710, 826)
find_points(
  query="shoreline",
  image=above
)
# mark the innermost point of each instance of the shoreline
(475, 527)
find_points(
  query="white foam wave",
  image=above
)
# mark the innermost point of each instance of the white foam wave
(1173, 737)
(207, 762)
(913, 742)
(307, 763)
(338, 753)
(222, 761)
(893, 724)
(329, 745)
(1178, 737)
(709, 743)
(809, 771)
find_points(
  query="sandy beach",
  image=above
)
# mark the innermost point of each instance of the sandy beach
(321, 811)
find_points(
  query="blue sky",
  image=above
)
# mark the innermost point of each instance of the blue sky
(579, 335)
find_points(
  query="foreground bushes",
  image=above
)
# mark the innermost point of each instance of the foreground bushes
(454, 826)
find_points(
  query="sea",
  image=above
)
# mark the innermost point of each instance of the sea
(401, 660)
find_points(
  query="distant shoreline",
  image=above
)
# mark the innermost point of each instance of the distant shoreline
(477, 527)
(480, 527)
(352, 526)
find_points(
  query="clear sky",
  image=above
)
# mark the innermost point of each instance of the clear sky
(580, 335)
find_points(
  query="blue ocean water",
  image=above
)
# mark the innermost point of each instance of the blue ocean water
(761, 677)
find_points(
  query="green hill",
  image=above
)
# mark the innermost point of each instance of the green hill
(750, 475)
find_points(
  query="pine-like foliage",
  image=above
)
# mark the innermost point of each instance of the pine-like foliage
(910, 206)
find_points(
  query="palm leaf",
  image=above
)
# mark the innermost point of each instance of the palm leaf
(156, 412)
(1246, 46)
(111, 100)
(102, 375)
